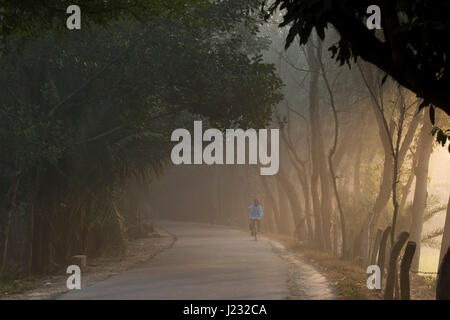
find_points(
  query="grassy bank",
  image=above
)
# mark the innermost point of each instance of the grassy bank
(9, 285)
(350, 279)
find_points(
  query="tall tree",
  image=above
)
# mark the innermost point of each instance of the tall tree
(446, 236)
(322, 207)
(424, 150)
(393, 158)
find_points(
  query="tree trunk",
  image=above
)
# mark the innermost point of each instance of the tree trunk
(446, 236)
(404, 270)
(31, 223)
(397, 167)
(443, 278)
(406, 189)
(296, 207)
(316, 205)
(382, 251)
(300, 170)
(306, 196)
(330, 161)
(273, 215)
(385, 134)
(7, 206)
(380, 203)
(424, 150)
(392, 279)
(376, 247)
(317, 145)
(356, 175)
(284, 209)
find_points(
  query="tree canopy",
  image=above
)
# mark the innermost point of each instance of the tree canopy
(23, 17)
(82, 113)
(411, 47)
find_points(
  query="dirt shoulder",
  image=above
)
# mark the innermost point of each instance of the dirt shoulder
(97, 269)
(305, 280)
(347, 278)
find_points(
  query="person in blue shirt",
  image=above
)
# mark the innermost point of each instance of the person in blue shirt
(256, 212)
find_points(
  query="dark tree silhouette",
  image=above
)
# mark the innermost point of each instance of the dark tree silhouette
(411, 47)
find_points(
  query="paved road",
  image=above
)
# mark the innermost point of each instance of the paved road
(205, 263)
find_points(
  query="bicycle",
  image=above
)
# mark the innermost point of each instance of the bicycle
(254, 228)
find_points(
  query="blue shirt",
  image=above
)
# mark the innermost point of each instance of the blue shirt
(255, 212)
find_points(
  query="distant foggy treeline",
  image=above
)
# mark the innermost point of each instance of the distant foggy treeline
(355, 159)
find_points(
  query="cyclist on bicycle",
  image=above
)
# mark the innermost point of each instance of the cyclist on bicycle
(256, 213)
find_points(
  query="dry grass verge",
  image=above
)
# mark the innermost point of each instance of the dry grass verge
(97, 269)
(350, 279)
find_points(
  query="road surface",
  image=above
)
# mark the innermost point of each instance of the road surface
(205, 262)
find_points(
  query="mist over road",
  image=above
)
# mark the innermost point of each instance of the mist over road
(205, 262)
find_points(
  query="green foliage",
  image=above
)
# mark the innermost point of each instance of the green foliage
(8, 287)
(350, 290)
(84, 112)
(429, 280)
(27, 135)
(442, 136)
(28, 18)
